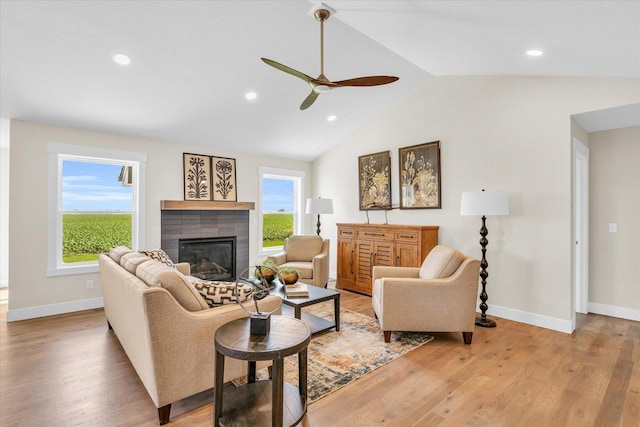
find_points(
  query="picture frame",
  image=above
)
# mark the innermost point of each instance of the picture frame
(420, 176)
(374, 176)
(223, 186)
(197, 176)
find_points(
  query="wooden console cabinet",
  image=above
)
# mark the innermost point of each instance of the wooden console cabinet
(363, 246)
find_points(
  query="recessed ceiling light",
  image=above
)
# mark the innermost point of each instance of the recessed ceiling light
(331, 118)
(121, 59)
(534, 52)
(251, 96)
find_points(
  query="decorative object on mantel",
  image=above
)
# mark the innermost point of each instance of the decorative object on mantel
(319, 206)
(224, 179)
(484, 203)
(259, 321)
(374, 173)
(420, 176)
(197, 176)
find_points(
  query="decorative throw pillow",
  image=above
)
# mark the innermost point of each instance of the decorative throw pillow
(220, 293)
(160, 255)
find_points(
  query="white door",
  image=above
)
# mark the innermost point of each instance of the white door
(581, 226)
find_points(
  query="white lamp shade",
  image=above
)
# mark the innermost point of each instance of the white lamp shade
(484, 203)
(319, 206)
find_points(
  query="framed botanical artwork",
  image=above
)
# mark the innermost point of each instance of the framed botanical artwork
(197, 176)
(374, 173)
(224, 179)
(420, 176)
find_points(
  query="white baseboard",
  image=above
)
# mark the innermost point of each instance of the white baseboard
(560, 325)
(614, 311)
(53, 309)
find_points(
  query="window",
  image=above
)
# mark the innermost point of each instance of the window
(94, 205)
(280, 207)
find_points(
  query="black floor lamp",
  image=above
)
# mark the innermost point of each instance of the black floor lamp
(319, 206)
(484, 203)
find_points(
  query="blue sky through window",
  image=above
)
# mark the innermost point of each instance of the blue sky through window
(277, 194)
(88, 186)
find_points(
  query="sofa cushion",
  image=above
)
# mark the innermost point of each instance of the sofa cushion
(303, 248)
(130, 261)
(160, 255)
(441, 262)
(117, 252)
(155, 273)
(220, 293)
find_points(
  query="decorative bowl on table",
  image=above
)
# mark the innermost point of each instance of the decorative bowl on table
(288, 276)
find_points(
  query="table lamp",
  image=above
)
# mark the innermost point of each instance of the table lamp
(484, 203)
(319, 206)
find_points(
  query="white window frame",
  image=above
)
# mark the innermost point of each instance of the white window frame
(298, 206)
(57, 154)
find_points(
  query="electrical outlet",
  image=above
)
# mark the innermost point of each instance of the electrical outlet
(89, 284)
(613, 227)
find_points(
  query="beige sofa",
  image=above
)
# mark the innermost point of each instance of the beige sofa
(307, 254)
(439, 296)
(166, 331)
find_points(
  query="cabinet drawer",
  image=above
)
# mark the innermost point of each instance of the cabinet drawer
(375, 234)
(406, 236)
(346, 233)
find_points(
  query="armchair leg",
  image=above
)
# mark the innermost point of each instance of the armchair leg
(467, 336)
(387, 336)
(163, 414)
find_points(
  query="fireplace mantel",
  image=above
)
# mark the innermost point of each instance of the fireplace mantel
(196, 205)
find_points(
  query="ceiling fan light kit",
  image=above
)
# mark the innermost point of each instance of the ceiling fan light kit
(322, 84)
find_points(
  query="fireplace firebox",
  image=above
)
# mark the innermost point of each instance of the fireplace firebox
(212, 258)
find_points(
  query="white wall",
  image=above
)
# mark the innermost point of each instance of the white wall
(32, 293)
(614, 197)
(510, 134)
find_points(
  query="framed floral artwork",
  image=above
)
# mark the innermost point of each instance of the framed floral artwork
(420, 176)
(197, 176)
(374, 172)
(223, 186)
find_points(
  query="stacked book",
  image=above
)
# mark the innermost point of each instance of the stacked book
(296, 290)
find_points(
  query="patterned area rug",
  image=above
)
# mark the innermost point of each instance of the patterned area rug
(335, 359)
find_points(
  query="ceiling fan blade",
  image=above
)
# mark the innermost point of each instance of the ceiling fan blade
(367, 81)
(286, 69)
(309, 100)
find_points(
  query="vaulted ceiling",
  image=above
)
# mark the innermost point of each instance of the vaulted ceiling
(193, 61)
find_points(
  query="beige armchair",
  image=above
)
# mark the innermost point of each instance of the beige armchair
(309, 255)
(440, 296)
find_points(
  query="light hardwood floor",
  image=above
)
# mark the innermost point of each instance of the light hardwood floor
(70, 370)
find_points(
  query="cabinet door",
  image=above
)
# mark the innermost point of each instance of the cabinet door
(364, 264)
(407, 255)
(383, 254)
(346, 263)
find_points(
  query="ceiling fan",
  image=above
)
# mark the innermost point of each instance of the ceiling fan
(322, 84)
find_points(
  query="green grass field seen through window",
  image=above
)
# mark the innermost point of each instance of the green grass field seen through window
(275, 228)
(84, 236)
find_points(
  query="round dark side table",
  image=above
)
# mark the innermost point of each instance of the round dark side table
(248, 405)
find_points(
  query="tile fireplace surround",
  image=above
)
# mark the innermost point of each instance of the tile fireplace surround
(185, 224)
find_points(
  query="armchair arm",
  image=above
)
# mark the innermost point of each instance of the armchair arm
(384, 271)
(184, 268)
(279, 258)
(320, 269)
